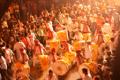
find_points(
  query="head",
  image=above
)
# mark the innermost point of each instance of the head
(50, 73)
(53, 51)
(85, 71)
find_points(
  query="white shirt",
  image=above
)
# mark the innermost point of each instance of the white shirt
(107, 28)
(50, 26)
(3, 64)
(17, 47)
(8, 55)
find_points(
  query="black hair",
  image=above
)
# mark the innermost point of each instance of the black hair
(50, 71)
(85, 71)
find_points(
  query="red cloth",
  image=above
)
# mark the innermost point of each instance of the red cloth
(25, 41)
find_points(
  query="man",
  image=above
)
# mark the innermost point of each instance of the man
(3, 68)
(38, 49)
(9, 58)
(20, 51)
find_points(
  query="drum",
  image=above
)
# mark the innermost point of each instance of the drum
(43, 61)
(70, 56)
(60, 67)
(82, 66)
(62, 35)
(91, 67)
(22, 69)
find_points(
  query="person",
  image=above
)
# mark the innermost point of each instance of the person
(20, 51)
(51, 76)
(66, 47)
(8, 54)
(38, 49)
(85, 75)
(9, 58)
(53, 55)
(79, 58)
(3, 68)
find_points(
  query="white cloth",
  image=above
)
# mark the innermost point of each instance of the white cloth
(50, 26)
(18, 47)
(8, 55)
(3, 64)
(106, 29)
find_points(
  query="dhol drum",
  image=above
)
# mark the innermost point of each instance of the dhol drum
(20, 70)
(82, 66)
(62, 66)
(91, 67)
(70, 56)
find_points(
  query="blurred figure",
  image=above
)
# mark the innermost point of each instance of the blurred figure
(20, 51)
(85, 75)
(51, 76)
(3, 68)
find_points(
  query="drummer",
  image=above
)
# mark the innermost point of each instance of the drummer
(79, 58)
(37, 50)
(53, 55)
(66, 47)
(20, 51)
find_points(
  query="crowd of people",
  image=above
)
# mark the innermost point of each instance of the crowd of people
(88, 30)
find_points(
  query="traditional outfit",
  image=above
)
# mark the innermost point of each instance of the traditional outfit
(20, 52)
